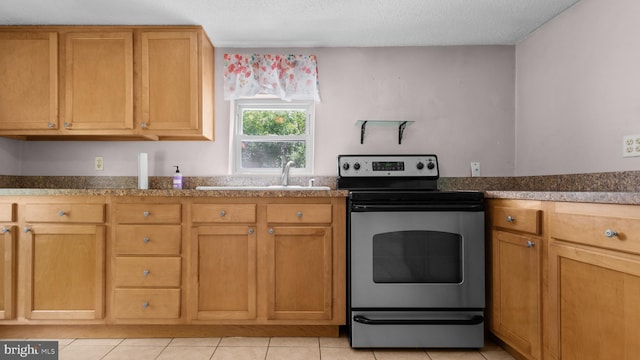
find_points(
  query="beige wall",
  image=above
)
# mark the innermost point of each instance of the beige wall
(462, 99)
(578, 90)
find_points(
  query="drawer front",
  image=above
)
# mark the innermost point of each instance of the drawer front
(299, 213)
(615, 227)
(65, 213)
(524, 220)
(147, 303)
(223, 213)
(7, 212)
(148, 239)
(147, 272)
(148, 213)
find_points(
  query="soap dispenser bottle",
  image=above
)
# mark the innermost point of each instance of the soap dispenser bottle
(177, 179)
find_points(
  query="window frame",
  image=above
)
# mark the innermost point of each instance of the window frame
(270, 103)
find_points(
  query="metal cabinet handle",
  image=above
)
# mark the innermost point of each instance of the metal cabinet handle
(145, 272)
(5, 230)
(146, 240)
(143, 125)
(26, 229)
(146, 214)
(62, 213)
(271, 231)
(145, 304)
(530, 244)
(251, 231)
(610, 233)
(299, 214)
(510, 218)
(51, 125)
(222, 213)
(67, 125)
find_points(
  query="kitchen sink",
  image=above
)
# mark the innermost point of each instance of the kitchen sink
(267, 187)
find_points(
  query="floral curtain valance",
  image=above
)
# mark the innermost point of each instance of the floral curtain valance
(290, 77)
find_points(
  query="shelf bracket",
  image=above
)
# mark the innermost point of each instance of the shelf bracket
(401, 128)
(362, 129)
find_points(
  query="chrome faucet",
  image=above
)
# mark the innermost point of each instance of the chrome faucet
(284, 178)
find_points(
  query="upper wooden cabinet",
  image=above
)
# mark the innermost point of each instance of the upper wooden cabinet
(98, 81)
(177, 87)
(106, 82)
(29, 86)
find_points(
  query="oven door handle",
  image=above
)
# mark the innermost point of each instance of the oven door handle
(415, 207)
(474, 320)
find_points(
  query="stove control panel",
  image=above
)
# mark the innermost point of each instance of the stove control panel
(388, 165)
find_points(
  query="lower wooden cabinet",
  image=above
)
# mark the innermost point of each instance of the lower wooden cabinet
(594, 281)
(300, 269)
(225, 260)
(138, 262)
(65, 271)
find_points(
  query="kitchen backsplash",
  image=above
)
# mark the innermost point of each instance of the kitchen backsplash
(627, 181)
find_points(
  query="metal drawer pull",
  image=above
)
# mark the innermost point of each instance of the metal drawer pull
(145, 272)
(146, 214)
(299, 214)
(530, 244)
(145, 304)
(610, 233)
(146, 240)
(510, 218)
(26, 229)
(62, 213)
(474, 320)
(5, 230)
(222, 213)
(251, 231)
(271, 231)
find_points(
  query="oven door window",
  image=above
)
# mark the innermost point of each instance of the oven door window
(417, 257)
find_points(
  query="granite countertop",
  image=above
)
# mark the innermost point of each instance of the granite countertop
(577, 196)
(180, 193)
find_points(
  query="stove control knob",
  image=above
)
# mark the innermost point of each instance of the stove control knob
(356, 166)
(420, 165)
(345, 166)
(431, 165)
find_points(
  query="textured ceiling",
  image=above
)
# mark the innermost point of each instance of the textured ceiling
(307, 23)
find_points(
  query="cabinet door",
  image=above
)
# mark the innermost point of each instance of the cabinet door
(224, 258)
(300, 273)
(64, 265)
(516, 309)
(169, 81)
(98, 81)
(7, 271)
(29, 80)
(594, 297)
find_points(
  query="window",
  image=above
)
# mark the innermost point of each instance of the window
(270, 132)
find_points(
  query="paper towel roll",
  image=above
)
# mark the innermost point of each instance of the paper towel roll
(143, 171)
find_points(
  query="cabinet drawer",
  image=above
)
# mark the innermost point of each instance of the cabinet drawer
(299, 213)
(65, 213)
(147, 303)
(148, 213)
(147, 271)
(615, 227)
(223, 213)
(8, 212)
(525, 220)
(148, 239)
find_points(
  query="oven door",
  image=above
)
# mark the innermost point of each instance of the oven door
(417, 259)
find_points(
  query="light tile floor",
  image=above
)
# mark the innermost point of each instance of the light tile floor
(254, 348)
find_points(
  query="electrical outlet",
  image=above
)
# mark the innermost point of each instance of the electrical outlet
(630, 145)
(475, 168)
(99, 163)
